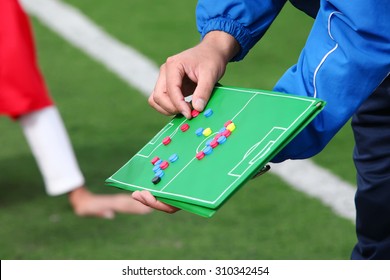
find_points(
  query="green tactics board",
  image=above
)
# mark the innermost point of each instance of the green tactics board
(204, 160)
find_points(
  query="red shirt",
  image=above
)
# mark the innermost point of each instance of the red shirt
(22, 87)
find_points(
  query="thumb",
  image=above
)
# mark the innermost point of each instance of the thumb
(202, 95)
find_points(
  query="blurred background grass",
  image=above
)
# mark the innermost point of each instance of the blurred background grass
(108, 121)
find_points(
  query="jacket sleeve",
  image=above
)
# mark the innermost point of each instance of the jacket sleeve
(246, 20)
(346, 57)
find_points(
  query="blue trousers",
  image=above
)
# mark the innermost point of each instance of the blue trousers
(371, 126)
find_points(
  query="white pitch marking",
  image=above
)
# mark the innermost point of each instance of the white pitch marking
(317, 182)
(131, 66)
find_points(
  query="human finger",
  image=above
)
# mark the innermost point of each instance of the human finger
(175, 74)
(203, 91)
(159, 99)
(159, 108)
(148, 199)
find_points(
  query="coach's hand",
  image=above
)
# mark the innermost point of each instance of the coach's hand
(146, 198)
(194, 71)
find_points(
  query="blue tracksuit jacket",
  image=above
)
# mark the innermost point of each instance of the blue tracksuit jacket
(345, 58)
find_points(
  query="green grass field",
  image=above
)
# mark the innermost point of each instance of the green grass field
(108, 121)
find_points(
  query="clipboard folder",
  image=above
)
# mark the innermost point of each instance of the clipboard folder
(263, 123)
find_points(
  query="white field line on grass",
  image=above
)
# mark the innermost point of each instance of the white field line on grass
(141, 73)
(130, 65)
(317, 182)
